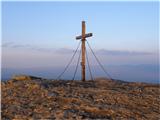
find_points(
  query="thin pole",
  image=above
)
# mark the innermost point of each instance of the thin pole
(83, 51)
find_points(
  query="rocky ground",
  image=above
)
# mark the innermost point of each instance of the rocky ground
(102, 99)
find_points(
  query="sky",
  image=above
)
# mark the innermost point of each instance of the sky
(41, 35)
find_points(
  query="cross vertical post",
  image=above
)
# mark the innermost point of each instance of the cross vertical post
(83, 39)
(83, 51)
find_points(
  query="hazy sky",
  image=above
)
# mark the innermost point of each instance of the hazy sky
(115, 25)
(42, 34)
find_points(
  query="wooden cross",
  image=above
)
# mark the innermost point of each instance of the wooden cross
(83, 39)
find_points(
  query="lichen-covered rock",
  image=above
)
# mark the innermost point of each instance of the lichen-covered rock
(24, 77)
(21, 77)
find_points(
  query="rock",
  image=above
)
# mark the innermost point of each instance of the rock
(54, 94)
(24, 77)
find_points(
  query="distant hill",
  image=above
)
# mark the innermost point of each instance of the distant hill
(37, 98)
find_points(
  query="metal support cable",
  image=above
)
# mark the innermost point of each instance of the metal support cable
(89, 65)
(69, 62)
(99, 62)
(77, 65)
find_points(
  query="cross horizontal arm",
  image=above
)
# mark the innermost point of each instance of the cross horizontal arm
(86, 35)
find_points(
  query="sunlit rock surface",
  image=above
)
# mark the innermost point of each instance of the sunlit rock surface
(101, 99)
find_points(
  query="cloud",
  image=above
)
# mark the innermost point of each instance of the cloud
(37, 48)
(7, 44)
(66, 51)
(26, 46)
(13, 45)
(71, 51)
(120, 53)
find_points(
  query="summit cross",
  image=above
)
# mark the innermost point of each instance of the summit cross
(83, 39)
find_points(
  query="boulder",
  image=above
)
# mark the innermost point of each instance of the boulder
(24, 77)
